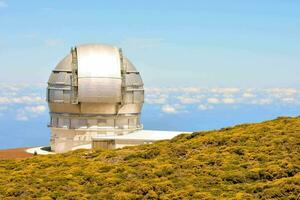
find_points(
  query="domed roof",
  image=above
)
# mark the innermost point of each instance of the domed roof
(94, 90)
(66, 63)
(98, 73)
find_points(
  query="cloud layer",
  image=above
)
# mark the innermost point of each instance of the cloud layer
(3, 4)
(181, 99)
(22, 101)
(27, 102)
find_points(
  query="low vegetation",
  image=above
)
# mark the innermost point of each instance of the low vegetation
(250, 161)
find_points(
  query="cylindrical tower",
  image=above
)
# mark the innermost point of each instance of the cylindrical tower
(93, 90)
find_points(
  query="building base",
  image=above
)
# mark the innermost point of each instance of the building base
(67, 140)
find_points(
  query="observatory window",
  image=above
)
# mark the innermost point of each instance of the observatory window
(54, 121)
(60, 122)
(82, 123)
(56, 95)
(63, 122)
(92, 123)
(51, 95)
(133, 79)
(68, 79)
(74, 123)
(129, 97)
(138, 96)
(122, 122)
(47, 95)
(102, 122)
(110, 122)
(60, 78)
(132, 122)
(138, 122)
(66, 122)
(67, 96)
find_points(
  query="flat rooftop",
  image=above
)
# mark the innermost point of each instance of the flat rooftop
(146, 135)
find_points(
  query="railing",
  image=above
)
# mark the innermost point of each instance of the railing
(106, 130)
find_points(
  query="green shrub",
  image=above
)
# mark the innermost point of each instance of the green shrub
(251, 161)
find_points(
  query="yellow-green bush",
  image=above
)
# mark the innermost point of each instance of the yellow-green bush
(249, 161)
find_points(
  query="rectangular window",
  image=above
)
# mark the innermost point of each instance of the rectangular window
(60, 122)
(129, 97)
(92, 123)
(102, 122)
(132, 122)
(67, 96)
(74, 123)
(138, 96)
(54, 121)
(122, 122)
(56, 95)
(110, 122)
(82, 123)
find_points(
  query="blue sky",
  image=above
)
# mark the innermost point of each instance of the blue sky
(205, 64)
(208, 43)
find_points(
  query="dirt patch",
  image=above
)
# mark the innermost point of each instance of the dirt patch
(14, 153)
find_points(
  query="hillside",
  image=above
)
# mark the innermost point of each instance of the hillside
(250, 161)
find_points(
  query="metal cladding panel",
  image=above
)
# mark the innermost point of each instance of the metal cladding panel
(133, 80)
(65, 64)
(64, 107)
(99, 74)
(55, 95)
(98, 61)
(67, 96)
(131, 108)
(128, 97)
(100, 90)
(58, 78)
(129, 66)
(68, 79)
(98, 108)
(54, 121)
(138, 96)
(74, 123)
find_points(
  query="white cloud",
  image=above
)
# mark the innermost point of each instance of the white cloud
(3, 4)
(188, 100)
(191, 90)
(22, 100)
(2, 108)
(262, 101)
(205, 107)
(289, 100)
(21, 117)
(54, 42)
(190, 96)
(229, 100)
(248, 95)
(213, 100)
(143, 43)
(281, 92)
(169, 109)
(24, 114)
(30, 35)
(36, 109)
(156, 99)
(225, 90)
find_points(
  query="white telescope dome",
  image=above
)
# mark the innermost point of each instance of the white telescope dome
(93, 90)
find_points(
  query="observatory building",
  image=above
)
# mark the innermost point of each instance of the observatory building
(95, 96)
